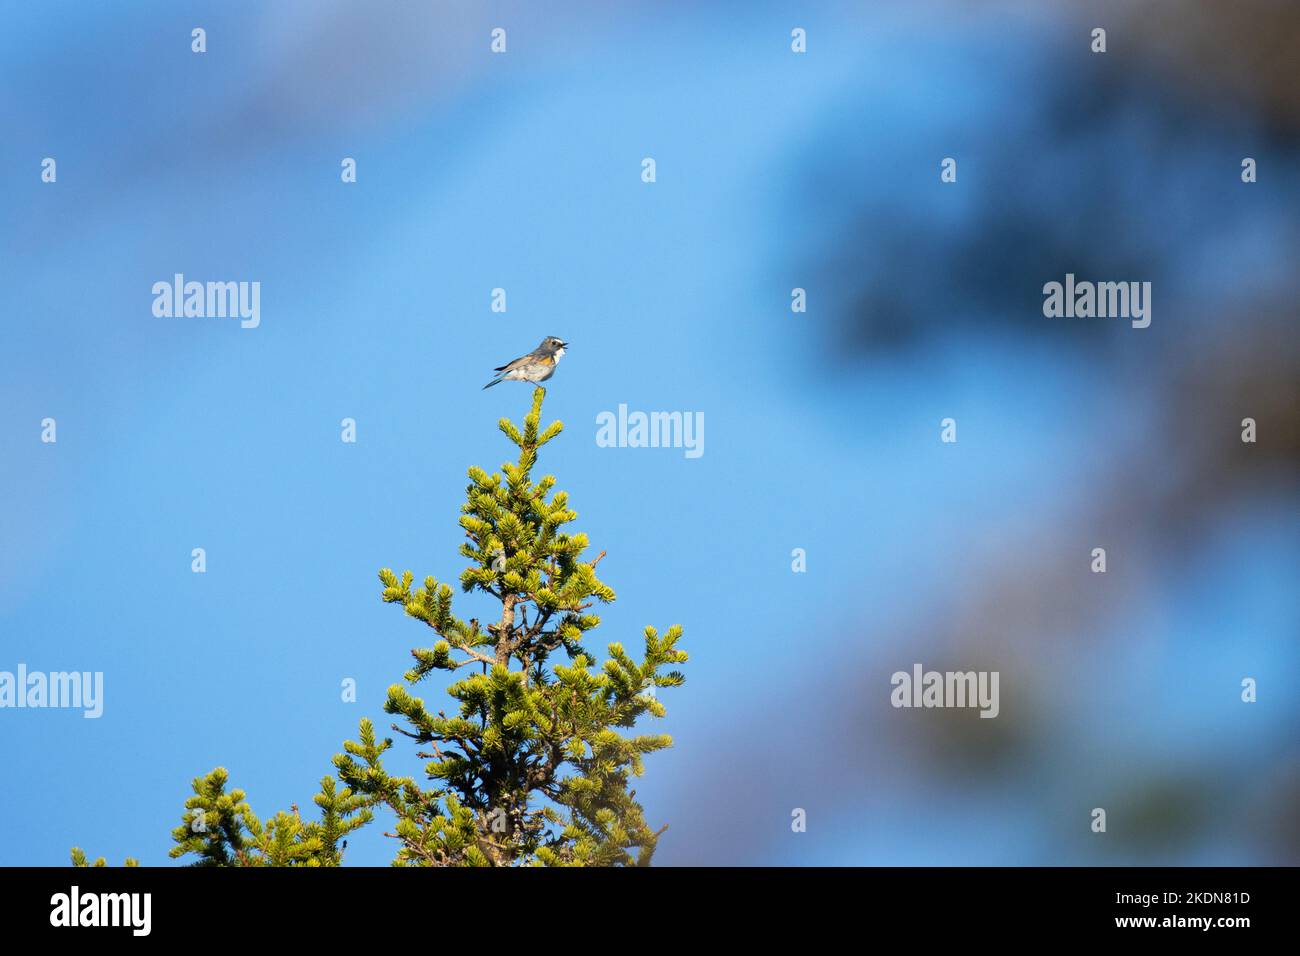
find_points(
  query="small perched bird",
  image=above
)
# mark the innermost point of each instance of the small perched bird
(537, 366)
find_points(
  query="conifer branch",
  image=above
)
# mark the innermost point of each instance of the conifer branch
(531, 767)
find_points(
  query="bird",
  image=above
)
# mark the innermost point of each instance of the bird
(537, 366)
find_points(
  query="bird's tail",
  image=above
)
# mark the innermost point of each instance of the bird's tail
(495, 381)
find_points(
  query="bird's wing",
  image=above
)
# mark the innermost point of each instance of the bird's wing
(511, 365)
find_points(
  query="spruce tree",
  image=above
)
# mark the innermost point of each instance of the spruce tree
(529, 766)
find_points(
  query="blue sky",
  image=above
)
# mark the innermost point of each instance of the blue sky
(522, 172)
